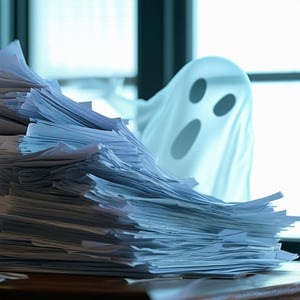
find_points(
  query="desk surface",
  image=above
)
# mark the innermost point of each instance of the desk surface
(282, 283)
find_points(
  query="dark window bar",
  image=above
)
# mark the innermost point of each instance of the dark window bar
(292, 246)
(274, 76)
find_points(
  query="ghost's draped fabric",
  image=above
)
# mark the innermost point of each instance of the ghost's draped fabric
(200, 126)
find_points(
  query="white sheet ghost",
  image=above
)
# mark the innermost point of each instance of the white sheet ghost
(200, 125)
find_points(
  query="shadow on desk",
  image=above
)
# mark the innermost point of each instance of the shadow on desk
(60, 286)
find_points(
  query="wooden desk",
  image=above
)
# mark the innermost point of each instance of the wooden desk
(282, 283)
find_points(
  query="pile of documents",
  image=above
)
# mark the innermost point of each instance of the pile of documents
(81, 194)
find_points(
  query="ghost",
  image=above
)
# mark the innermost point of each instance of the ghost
(200, 126)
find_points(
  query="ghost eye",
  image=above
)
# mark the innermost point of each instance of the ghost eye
(224, 105)
(198, 90)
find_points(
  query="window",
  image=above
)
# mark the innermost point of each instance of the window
(4, 23)
(88, 45)
(261, 37)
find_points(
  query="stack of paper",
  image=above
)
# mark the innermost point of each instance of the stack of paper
(81, 194)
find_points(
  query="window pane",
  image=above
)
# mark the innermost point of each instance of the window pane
(276, 163)
(276, 123)
(83, 38)
(259, 35)
(5, 30)
(89, 45)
